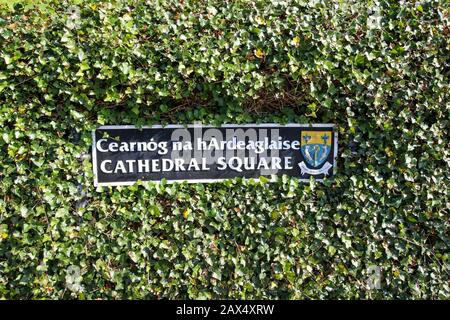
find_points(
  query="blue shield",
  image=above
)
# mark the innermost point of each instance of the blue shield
(315, 147)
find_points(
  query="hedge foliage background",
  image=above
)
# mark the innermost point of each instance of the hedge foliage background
(379, 70)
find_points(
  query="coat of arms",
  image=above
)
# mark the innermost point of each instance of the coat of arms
(315, 148)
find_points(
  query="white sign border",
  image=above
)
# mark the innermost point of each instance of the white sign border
(247, 125)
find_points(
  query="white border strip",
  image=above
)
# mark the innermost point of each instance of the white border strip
(94, 158)
(169, 126)
(335, 153)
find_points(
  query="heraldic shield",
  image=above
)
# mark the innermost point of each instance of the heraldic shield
(315, 148)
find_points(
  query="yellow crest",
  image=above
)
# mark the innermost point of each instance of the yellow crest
(316, 146)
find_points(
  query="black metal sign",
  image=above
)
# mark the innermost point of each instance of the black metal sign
(123, 155)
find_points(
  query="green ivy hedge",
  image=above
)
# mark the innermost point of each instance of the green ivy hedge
(379, 70)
